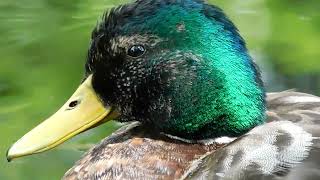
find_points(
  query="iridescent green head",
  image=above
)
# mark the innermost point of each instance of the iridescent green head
(178, 66)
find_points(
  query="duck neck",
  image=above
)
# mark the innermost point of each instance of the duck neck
(227, 96)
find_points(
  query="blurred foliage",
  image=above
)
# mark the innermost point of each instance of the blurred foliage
(294, 45)
(44, 45)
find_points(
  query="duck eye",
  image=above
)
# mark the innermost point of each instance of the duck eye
(136, 50)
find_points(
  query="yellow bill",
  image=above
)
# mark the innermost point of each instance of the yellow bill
(82, 111)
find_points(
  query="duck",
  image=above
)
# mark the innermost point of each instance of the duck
(178, 75)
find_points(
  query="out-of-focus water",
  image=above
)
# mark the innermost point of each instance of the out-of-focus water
(43, 49)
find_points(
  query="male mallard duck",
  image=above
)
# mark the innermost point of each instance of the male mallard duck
(180, 72)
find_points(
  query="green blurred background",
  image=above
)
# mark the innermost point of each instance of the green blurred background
(43, 49)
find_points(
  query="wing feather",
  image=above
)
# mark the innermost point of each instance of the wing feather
(286, 147)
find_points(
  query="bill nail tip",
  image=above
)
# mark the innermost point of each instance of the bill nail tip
(9, 159)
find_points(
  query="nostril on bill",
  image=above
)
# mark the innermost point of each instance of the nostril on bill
(73, 104)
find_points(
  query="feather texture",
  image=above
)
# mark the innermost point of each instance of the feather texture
(287, 146)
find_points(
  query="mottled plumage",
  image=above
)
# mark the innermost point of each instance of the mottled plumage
(134, 153)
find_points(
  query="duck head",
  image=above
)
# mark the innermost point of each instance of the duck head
(178, 67)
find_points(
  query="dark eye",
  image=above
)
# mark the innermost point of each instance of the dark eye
(136, 50)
